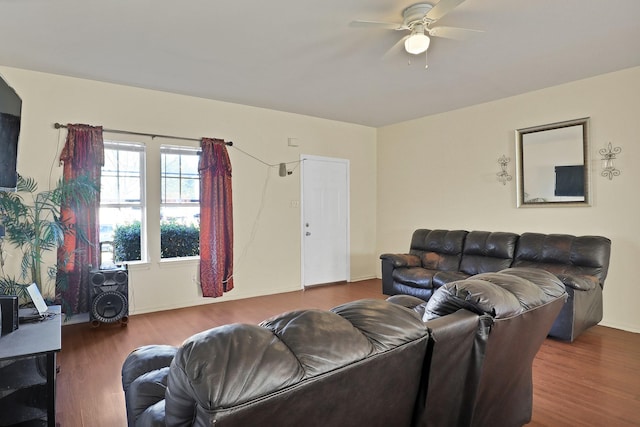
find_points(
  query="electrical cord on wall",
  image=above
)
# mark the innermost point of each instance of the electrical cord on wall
(256, 222)
(53, 161)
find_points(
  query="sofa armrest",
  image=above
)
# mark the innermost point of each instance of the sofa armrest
(412, 303)
(453, 368)
(146, 359)
(579, 282)
(144, 399)
(144, 381)
(402, 260)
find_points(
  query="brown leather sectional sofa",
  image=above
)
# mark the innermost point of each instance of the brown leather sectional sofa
(462, 359)
(437, 257)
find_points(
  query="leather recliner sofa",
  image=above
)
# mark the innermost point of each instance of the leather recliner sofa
(358, 364)
(484, 377)
(464, 358)
(437, 257)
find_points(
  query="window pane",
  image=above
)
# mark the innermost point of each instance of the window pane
(123, 226)
(190, 165)
(187, 215)
(108, 189)
(110, 160)
(180, 178)
(129, 163)
(121, 203)
(180, 210)
(172, 190)
(171, 163)
(190, 190)
(130, 189)
(179, 231)
(121, 182)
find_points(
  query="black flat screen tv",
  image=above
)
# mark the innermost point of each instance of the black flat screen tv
(10, 110)
(570, 181)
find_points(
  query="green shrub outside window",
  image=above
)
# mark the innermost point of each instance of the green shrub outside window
(176, 240)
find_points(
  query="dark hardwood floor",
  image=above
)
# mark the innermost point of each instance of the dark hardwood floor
(594, 381)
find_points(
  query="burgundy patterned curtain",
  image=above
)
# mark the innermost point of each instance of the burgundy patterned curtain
(82, 155)
(216, 219)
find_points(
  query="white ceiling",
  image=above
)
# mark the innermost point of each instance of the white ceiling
(304, 57)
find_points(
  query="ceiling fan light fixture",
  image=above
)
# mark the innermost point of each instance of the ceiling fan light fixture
(417, 42)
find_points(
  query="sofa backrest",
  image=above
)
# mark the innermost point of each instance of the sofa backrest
(486, 251)
(505, 395)
(492, 358)
(564, 254)
(308, 367)
(438, 249)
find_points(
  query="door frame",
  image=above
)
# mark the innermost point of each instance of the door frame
(346, 162)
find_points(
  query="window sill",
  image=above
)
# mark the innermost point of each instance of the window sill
(137, 265)
(179, 262)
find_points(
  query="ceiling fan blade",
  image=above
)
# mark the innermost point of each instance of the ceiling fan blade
(395, 49)
(442, 8)
(379, 24)
(454, 33)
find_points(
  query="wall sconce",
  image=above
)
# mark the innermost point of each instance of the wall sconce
(503, 175)
(608, 156)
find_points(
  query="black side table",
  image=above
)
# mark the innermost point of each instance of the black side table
(28, 371)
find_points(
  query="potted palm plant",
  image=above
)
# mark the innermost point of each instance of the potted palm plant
(31, 219)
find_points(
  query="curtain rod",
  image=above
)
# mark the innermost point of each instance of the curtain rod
(127, 132)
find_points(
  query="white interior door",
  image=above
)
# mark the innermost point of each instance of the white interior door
(325, 220)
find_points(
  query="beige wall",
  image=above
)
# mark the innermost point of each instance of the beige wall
(440, 172)
(267, 247)
(436, 172)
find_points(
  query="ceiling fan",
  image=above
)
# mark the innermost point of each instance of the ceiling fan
(420, 19)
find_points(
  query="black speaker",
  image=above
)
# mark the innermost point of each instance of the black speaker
(109, 296)
(9, 315)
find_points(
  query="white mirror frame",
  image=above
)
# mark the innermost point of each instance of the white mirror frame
(540, 150)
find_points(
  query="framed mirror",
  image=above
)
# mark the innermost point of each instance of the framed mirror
(552, 163)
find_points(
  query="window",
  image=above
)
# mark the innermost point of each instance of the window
(180, 202)
(149, 202)
(122, 201)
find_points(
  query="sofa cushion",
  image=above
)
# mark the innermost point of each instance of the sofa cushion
(441, 278)
(438, 249)
(416, 277)
(564, 254)
(228, 365)
(320, 340)
(371, 318)
(486, 251)
(548, 282)
(234, 370)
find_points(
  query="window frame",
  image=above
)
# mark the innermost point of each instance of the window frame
(177, 150)
(141, 148)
